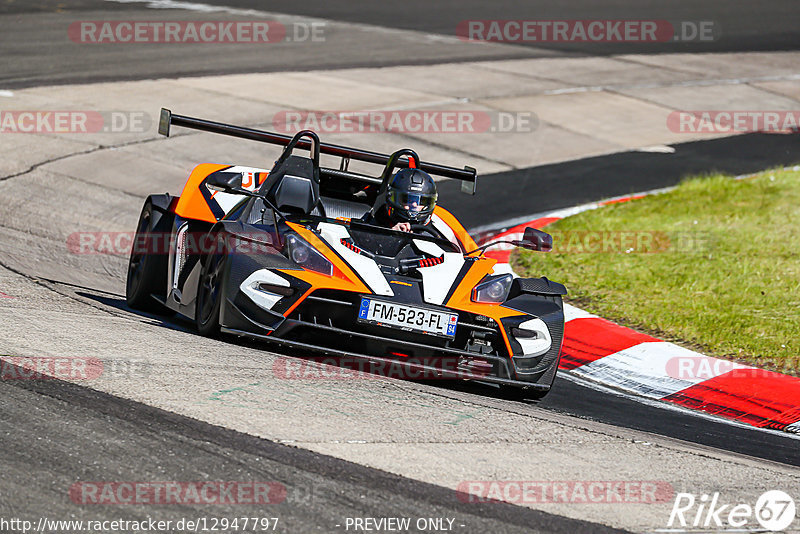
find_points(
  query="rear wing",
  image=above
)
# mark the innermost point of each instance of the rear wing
(467, 175)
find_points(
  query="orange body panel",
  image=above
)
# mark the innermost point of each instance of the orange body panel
(191, 204)
(461, 298)
(461, 234)
(343, 279)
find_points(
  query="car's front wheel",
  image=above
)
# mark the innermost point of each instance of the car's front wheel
(209, 295)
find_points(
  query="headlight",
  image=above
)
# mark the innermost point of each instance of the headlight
(493, 289)
(306, 256)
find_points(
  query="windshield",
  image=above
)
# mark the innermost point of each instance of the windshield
(363, 227)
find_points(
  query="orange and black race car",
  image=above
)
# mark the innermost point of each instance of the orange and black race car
(285, 256)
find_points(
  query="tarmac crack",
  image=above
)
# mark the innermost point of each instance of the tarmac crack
(48, 161)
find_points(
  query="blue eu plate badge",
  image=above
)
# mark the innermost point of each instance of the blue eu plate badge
(364, 310)
(451, 326)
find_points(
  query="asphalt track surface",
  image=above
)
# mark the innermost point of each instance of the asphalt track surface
(320, 491)
(52, 57)
(359, 34)
(338, 488)
(742, 26)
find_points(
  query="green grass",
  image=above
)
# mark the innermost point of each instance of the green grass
(716, 267)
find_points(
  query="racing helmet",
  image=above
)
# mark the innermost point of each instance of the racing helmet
(411, 196)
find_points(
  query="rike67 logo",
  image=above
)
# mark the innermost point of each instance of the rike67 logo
(774, 511)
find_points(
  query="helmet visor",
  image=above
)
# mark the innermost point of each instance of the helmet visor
(413, 203)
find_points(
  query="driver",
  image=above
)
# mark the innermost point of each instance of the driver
(410, 199)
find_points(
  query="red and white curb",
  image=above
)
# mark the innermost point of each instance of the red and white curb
(615, 356)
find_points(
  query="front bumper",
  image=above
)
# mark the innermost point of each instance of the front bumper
(324, 321)
(412, 367)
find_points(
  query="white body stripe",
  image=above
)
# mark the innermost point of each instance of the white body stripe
(504, 268)
(446, 231)
(366, 268)
(263, 299)
(438, 279)
(227, 201)
(540, 344)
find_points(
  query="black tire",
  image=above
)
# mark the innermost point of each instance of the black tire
(521, 394)
(209, 295)
(147, 267)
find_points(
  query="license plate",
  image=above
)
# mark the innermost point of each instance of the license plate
(396, 315)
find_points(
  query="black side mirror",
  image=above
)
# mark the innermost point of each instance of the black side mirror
(227, 182)
(533, 239)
